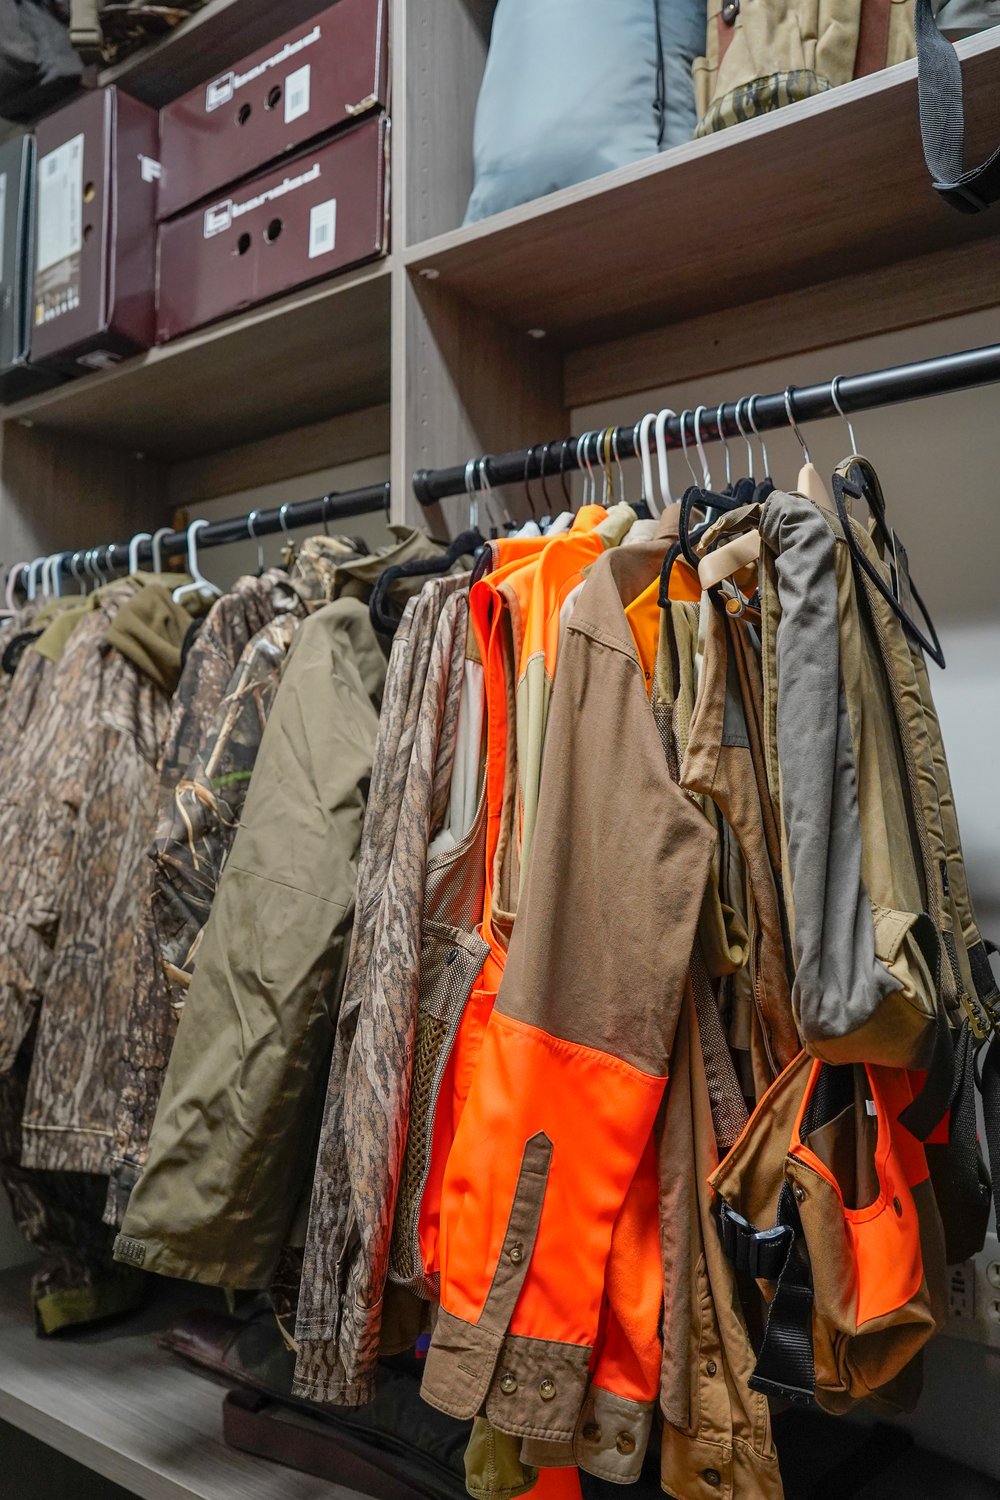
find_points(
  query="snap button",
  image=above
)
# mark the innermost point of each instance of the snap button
(898, 1207)
(516, 1254)
(711, 1367)
(625, 1443)
(730, 10)
(800, 1194)
(591, 1432)
(547, 1389)
(712, 1477)
(508, 1383)
(451, 957)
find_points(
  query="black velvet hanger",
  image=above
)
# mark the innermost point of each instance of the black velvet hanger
(385, 617)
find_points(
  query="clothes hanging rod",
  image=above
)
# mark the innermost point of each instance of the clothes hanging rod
(288, 517)
(809, 403)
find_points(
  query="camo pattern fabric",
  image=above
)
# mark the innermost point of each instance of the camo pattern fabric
(220, 709)
(363, 1137)
(97, 785)
(59, 1214)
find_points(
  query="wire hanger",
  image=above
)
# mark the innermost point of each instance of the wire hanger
(74, 567)
(835, 398)
(719, 412)
(810, 481)
(199, 581)
(251, 519)
(751, 417)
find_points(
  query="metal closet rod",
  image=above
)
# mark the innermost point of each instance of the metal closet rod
(809, 403)
(332, 507)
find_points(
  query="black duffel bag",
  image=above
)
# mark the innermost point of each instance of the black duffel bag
(38, 65)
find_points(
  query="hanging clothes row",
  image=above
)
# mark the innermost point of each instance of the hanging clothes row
(555, 958)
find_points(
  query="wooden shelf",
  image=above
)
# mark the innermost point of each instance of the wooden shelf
(829, 187)
(205, 45)
(117, 1403)
(310, 356)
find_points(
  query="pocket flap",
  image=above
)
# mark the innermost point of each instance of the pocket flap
(891, 928)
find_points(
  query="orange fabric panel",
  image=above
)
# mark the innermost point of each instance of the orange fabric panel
(643, 614)
(884, 1239)
(558, 1484)
(630, 1355)
(598, 1112)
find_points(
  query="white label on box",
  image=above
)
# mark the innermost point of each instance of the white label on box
(60, 204)
(297, 94)
(3, 210)
(149, 169)
(218, 218)
(220, 91)
(322, 228)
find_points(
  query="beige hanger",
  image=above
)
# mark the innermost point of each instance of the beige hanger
(810, 482)
(729, 560)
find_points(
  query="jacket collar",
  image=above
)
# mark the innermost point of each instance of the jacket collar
(615, 579)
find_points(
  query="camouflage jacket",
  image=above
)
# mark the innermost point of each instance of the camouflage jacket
(70, 898)
(219, 713)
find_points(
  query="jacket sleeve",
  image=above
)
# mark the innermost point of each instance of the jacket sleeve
(574, 1061)
(233, 1135)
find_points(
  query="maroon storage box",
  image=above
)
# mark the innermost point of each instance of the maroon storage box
(320, 76)
(95, 232)
(325, 210)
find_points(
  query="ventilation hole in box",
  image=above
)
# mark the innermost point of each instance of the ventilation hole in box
(243, 244)
(89, 193)
(273, 231)
(274, 97)
(243, 114)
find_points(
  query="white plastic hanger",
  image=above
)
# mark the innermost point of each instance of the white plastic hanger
(33, 571)
(9, 601)
(641, 441)
(74, 567)
(706, 472)
(662, 418)
(133, 550)
(156, 543)
(199, 579)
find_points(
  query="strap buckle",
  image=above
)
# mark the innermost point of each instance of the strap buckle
(961, 197)
(760, 1253)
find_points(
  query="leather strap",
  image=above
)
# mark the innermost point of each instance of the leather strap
(942, 121)
(85, 29)
(873, 37)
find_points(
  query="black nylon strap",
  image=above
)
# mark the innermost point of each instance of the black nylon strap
(785, 1365)
(942, 121)
(990, 1088)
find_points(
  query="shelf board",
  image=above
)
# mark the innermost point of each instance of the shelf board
(117, 1403)
(208, 43)
(310, 356)
(831, 186)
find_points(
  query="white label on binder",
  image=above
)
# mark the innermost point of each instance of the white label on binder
(322, 228)
(60, 204)
(297, 94)
(3, 210)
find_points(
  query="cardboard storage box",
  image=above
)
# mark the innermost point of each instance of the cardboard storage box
(325, 210)
(95, 232)
(17, 167)
(319, 76)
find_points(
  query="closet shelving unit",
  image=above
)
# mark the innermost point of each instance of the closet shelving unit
(809, 227)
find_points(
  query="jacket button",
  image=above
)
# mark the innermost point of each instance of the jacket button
(509, 1383)
(800, 1194)
(516, 1254)
(711, 1367)
(451, 957)
(547, 1389)
(625, 1443)
(591, 1432)
(712, 1477)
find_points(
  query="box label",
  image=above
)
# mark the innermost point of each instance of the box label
(297, 94)
(222, 89)
(3, 216)
(220, 216)
(60, 230)
(322, 228)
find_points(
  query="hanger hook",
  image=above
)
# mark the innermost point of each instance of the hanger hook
(251, 519)
(133, 550)
(752, 415)
(738, 419)
(687, 457)
(835, 398)
(640, 441)
(156, 544)
(583, 462)
(192, 549)
(662, 451)
(720, 423)
(33, 569)
(493, 498)
(16, 571)
(282, 516)
(528, 456)
(567, 443)
(543, 461)
(789, 411)
(470, 490)
(705, 470)
(75, 570)
(618, 464)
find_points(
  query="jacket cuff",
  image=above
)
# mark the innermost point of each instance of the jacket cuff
(320, 1376)
(527, 1387)
(612, 1435)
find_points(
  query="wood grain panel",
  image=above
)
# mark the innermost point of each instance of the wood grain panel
(930, 287)
(800, 196)
(310, 356)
